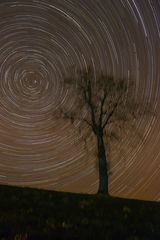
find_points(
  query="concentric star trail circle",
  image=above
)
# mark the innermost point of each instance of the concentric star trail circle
(39, 43)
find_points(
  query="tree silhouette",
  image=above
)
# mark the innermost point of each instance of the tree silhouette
(100, 101)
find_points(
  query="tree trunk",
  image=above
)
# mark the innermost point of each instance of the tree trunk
(103, 168)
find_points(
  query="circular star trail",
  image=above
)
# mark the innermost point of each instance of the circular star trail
(39, 42)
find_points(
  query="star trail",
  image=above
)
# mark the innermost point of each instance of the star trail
(39, 42)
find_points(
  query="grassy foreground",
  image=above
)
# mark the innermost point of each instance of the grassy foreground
(38, 214)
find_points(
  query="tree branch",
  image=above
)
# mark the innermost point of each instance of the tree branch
(111, 113)
(89, 102)
(101, 109)
(85, 120)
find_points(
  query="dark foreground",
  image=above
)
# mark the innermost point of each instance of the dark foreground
(37, 214)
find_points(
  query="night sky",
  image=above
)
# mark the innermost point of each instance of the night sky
(39, 42)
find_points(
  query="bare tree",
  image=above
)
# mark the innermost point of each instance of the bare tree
(100, 101)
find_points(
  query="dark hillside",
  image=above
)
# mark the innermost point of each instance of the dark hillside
(38, 214)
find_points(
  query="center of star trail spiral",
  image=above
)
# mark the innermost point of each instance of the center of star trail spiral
(39, 42)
